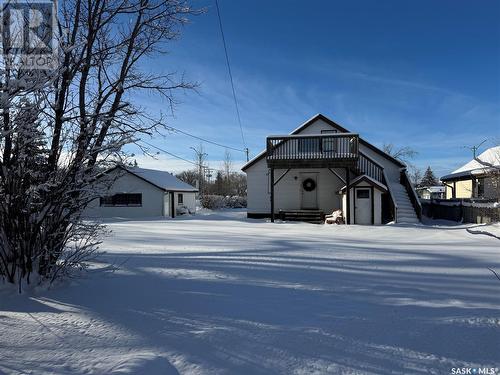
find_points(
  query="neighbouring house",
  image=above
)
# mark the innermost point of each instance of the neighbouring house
(321, 167)
(137, 192)
(431, 192)
(479, 178)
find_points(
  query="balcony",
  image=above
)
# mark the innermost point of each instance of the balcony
(313, 151)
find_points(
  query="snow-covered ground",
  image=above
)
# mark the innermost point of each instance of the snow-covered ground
(220, 294)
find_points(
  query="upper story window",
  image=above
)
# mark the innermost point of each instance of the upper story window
(121, 200)
(309, 145)
(329, 144)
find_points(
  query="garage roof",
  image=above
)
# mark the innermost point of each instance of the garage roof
(161, 179)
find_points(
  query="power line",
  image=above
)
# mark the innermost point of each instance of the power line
(171, 154)
(230, 73)
(205, 167)
(475, 148)
(203, 139)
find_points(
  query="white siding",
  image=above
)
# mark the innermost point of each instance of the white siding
(377, 203)
(288, 190)
(152, 199)
(316, 127)
(189, 201)
(391, 170)
(258, 200)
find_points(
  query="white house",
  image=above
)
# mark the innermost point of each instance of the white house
(305, 174)
(138, 192)
(432, 192)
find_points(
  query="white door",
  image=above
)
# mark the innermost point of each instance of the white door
(309, 191)
(362, 206)
(166, 204)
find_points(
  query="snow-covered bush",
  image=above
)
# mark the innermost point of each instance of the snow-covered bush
(212, 202)
(236, 201)
(220, 201)
(182, 210)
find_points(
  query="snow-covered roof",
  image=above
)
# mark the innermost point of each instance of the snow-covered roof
(161, 179)
(437, 189)
(434, 189)
(367, 178)
(484, 163)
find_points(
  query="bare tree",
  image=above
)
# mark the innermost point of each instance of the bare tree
(415, 175)
(403, 154)
(227, 164)
(189, 177)
(491, 168)
(200, 157)
(62, 128)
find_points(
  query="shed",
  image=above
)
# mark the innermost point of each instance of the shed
(140, 192)
(365, 200)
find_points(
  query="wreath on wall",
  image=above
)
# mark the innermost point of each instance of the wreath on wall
(309, 184)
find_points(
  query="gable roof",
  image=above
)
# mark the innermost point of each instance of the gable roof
(161, 179)
(488, 161)
(368, 179)
(333, 124)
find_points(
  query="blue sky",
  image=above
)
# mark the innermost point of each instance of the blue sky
(424, 74)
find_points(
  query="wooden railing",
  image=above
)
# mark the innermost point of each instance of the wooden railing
(370, 168)
(318, 150)
(393, 205)
(405, 181)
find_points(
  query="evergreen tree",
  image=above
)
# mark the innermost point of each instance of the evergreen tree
(429, 178)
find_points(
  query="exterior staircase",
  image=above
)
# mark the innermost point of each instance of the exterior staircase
(405, 213)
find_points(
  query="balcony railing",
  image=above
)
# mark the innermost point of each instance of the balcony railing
(318, 150)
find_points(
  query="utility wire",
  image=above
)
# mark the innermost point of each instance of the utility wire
(180, 157)
(230, 73)
(203, 139)
(169, 153)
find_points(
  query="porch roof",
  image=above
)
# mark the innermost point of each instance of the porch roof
(380, 186)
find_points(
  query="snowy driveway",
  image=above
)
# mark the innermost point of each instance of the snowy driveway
(220, 294)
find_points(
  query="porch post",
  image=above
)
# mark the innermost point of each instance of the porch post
(348, 196)
(454, 191)
(272, 194)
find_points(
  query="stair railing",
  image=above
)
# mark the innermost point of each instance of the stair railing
(394, 204)
(369, 167)
(405, 181)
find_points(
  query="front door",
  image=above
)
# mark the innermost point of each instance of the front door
(362, 206)
(309, 191)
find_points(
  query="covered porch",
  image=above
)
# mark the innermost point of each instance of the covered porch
(301, 163)
(307, 173)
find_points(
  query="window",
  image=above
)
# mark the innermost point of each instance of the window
(121, 200)
(329, 144)
(362, 194)
(308, 145)
(180, 199)
(480, 187)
